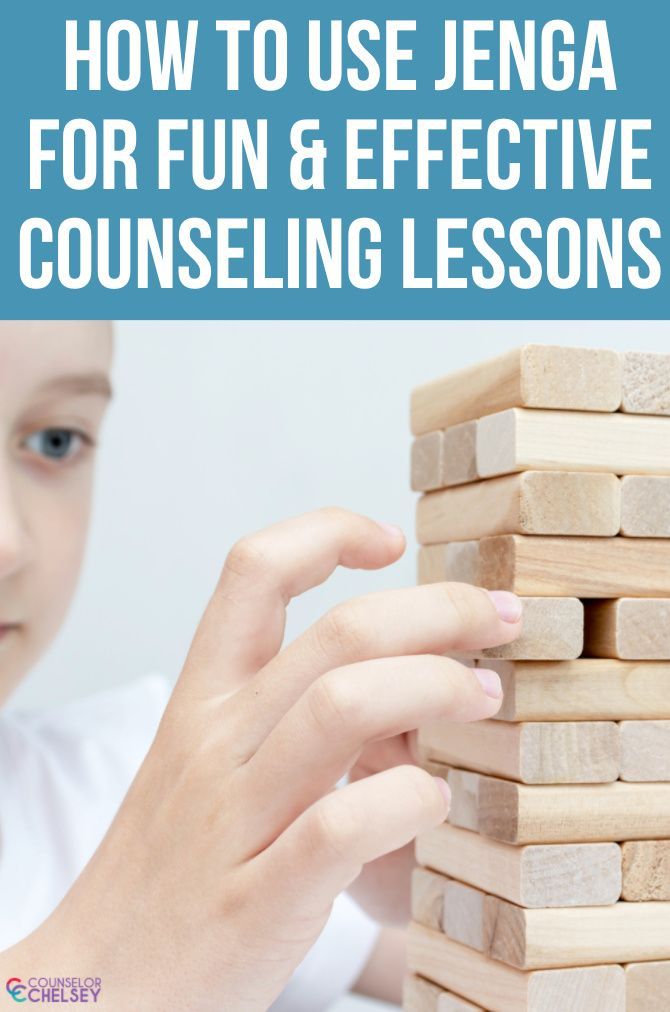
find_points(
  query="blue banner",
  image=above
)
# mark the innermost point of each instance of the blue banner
(400, 161)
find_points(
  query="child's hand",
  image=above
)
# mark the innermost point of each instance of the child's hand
(221, 867)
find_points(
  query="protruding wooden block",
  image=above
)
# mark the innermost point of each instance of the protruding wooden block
(588, 813)
(522, 440)
(646, 871)
(554, 875)
(645, 750)
(645, 506)
(646, 385)
(575, 567)
(427, 898)
(426, 462)
(551, 753)
(583, 689)
(629, 628)
(647, 987)
(569, 936)
(535, 502)
(420, 995)
(501, 988)
(534, 376)
(553, 629)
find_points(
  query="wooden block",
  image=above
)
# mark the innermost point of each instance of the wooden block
(588, 813)
(645, 506)
(535, 502)
(646, 384)
(629, 629)
(647, 987)
(432, 564)
(575, 567)
(553, 629)
(568, 936)
(459, 453)
(645, 750)
(646, 870)
(553, 875)
(420, 995)
(522, 440)
(502, 988)
(583, 689)
(442, 459)
(551, 753)
(534, 376)
(457, 562)
(426, 462)
(427, 897)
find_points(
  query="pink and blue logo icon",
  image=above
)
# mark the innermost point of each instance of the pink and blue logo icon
(16, 988)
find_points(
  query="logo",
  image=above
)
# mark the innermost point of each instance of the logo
(15, 987)
(54, 990)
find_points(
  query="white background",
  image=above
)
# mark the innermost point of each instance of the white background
(221, 428)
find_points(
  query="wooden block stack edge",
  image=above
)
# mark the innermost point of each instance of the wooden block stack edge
(546, 472)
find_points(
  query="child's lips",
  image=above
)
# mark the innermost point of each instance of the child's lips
(8, 627)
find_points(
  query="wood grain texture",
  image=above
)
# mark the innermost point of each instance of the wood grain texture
(647, 987)
(457, 562)
(628, 628)
(522, 440)
(646, 870)
(575, 567)
(532, 753)
(645, 750)
(427, 897)
(645, 383)
(426, 462)
(501, 988)
(645, 506)
(552, 938)
(432, 564)
(534, 376)
(459, 453)
(535, 502)
(553, 629)
(554, 875)
(420, 995)
(583, 689)
(589, 813)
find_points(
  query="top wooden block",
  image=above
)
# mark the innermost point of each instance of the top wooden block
(533, 376)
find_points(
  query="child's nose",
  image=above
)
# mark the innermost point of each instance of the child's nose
(14, 540)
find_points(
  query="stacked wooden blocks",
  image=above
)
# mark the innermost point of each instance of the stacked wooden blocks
(547, 472)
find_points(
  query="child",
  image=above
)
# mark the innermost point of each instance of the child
(189, 851)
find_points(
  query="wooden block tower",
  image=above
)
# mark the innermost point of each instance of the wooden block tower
(546, 472)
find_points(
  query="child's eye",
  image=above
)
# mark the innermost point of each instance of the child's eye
(56, 444)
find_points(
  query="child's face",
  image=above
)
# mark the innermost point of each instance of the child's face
(54, 387)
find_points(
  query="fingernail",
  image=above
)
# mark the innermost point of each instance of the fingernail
(445, 790)
(490, 682)
(392, 529)
(508, 606)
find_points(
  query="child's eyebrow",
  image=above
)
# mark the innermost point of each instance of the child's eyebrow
(84, 383)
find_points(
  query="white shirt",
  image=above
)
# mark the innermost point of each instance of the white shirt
(63, 774)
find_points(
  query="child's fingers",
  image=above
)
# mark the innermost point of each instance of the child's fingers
(433, 619)
(320, 737)
(324, 850)
(243, 625)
